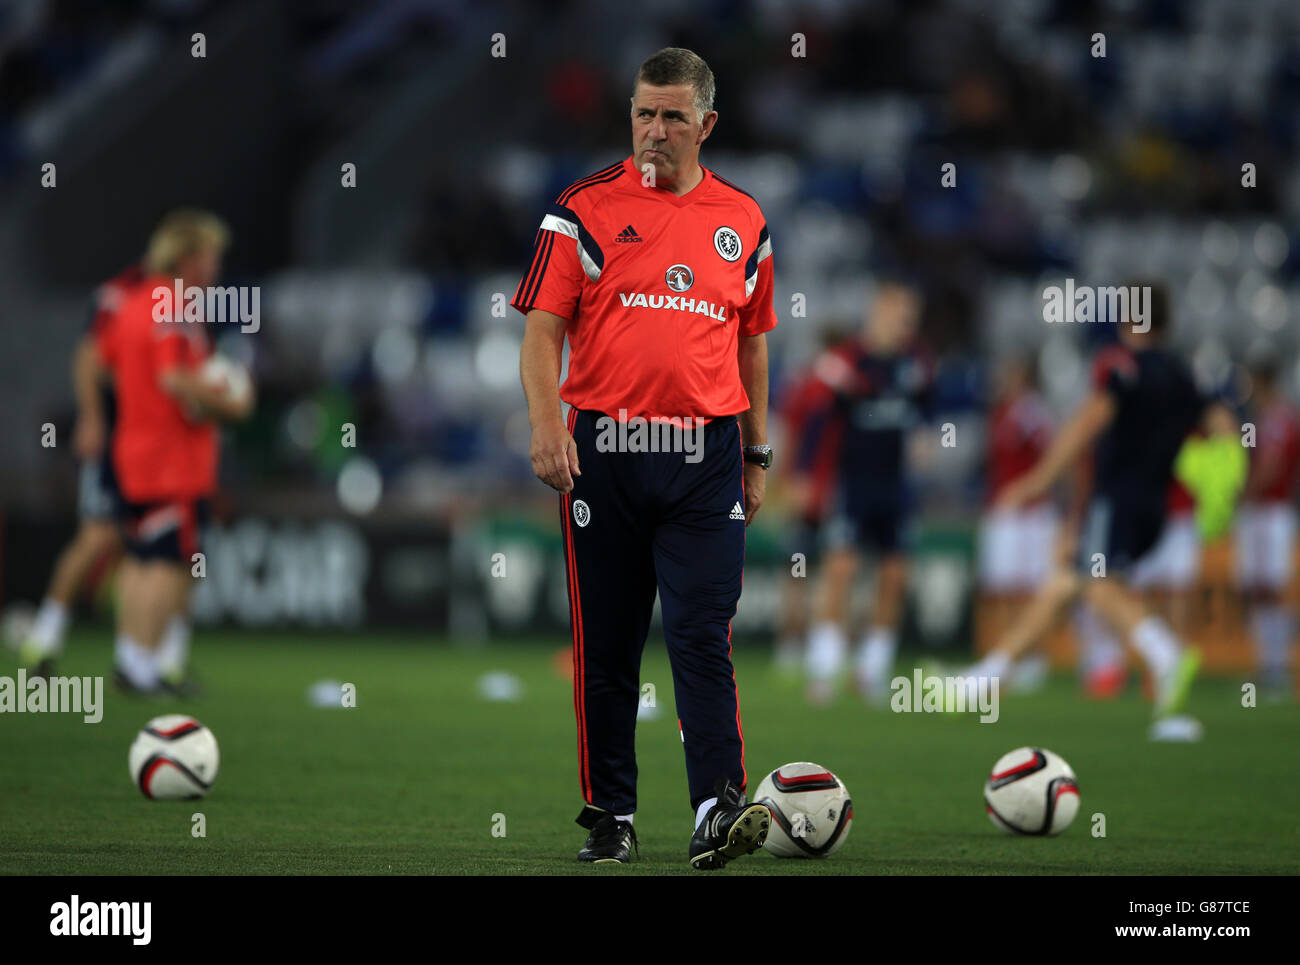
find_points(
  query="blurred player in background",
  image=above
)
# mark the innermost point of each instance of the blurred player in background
(1266, 525)
(1167, 576)
(99, 534)
(165, 449)
(875, 389)
(810, 496)
(1015, 545)
(1143, 405)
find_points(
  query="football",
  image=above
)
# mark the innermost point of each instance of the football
(811, 811)
(174, 758)
(224, 371)
(1031, 791)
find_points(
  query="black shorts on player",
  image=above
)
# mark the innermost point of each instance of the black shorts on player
(806, 537)
(1117, 532)
(169, 531)
(870, 521)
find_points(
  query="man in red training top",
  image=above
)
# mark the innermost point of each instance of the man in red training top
(658, 273)
(165, 448)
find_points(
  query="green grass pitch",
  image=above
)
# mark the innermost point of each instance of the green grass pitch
(410, 780)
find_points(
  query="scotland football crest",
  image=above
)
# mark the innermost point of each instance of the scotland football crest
(727, 242)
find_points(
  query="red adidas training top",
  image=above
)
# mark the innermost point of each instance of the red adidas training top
(656, 288)
(160, 452)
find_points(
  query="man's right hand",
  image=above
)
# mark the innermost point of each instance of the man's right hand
(88, 437)
(554, 455)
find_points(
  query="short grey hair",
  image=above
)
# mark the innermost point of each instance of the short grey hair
(677, 65)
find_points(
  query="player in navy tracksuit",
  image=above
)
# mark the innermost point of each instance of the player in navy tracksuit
(658, 274)
(1144, 404)
(877, 390)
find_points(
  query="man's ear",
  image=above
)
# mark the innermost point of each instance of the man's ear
(706, 126)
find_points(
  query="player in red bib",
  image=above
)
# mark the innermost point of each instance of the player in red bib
(1015, 545)
(1266, 526)
(165, 448)
(811, 497)
(658, 272)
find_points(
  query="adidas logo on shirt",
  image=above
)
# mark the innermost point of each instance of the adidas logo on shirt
(626, 235)
(737, 512)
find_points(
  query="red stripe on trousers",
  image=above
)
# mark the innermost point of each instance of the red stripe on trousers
(740, 731)
(575, 621)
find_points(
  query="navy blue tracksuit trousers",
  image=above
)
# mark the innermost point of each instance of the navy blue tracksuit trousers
(637, 522)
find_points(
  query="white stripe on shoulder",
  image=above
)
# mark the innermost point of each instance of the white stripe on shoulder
(563, 226)
(764, 251)
(589, 265)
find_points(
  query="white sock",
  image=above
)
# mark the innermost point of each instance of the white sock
(1273, 631)
(49, 627)
(623, 817)
(876, 654)
(1030, 673)
(702, 811)
(1098, 648)
(1157, 645)
(994, 664)
(174, 651)
(137, 663)
(827, 646)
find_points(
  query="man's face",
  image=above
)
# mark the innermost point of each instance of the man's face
(1133, 336)
(1263, 383)
(200, 268)
(1013, 378)
(893, 319)
(666, 131)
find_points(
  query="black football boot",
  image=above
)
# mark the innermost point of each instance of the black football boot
(610, 842)
(731, 829)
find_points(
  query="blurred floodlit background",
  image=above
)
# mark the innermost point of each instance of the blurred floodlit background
(381, 304)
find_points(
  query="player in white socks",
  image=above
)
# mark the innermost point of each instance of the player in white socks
(1142, 407)
(877, 388)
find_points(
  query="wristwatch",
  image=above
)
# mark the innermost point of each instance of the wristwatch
(760, 456)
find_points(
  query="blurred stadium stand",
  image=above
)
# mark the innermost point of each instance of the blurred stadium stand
(382, 303)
